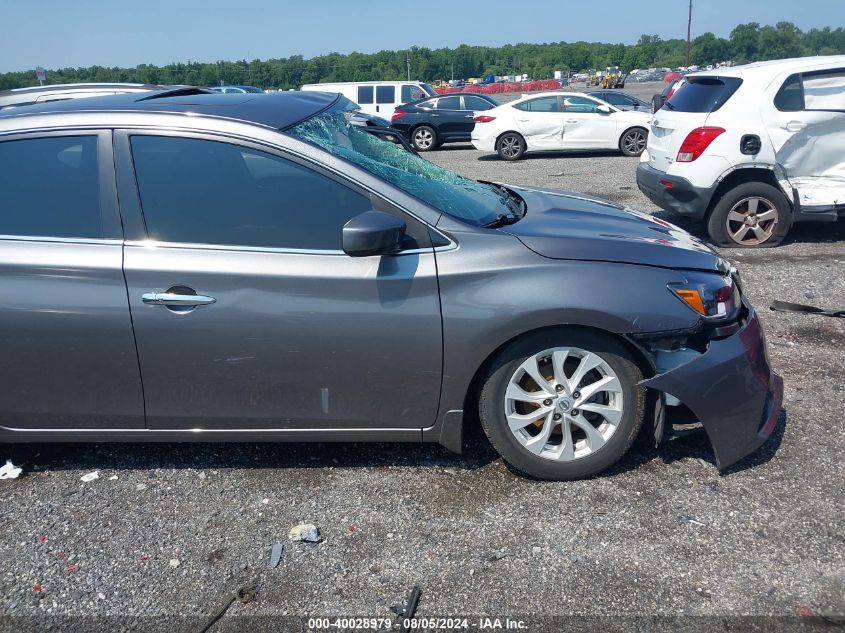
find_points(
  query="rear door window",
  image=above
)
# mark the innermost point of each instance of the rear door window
(616, 99)
(365, 94)
(471, 102)
(580, 104)
(385, 94)
(703, 94)
(49, 188)
(540, 104)
(449, 103)
(824, 90)
(816, 91)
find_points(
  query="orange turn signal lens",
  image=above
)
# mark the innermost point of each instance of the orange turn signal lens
(693, 299)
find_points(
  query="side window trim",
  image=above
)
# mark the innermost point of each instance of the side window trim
(110, 219)
(135, 225)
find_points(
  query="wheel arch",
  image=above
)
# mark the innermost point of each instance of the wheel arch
(420, 124)
(741, 176)
(517, 132)
(470, 417)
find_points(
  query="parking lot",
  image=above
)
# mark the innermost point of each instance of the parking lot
(167, 532)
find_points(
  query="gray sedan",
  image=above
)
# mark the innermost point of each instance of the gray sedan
(197, 267)
(622, 100)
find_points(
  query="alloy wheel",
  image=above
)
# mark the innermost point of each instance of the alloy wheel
(423, 139)
(511, 146)
(564, 403)
(751, 221)
(634, 142)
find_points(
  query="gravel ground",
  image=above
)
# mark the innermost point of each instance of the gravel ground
(168, 531)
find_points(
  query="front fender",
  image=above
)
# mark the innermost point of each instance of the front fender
(493, 289)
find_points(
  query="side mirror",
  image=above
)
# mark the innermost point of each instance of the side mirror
(604, 109)
(372, 233)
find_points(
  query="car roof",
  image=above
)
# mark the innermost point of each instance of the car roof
(277, 110)
(80, 86)
(774, 67)
(556, 93)
(465, 93)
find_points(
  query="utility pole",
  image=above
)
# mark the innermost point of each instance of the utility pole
(689, 29)
(408, 63)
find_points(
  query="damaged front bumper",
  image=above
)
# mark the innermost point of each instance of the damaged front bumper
(731, 389)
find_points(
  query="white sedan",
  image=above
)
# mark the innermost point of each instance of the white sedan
(559, 121)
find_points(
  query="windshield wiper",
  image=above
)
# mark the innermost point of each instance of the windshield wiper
(502, 220)
(515, 202)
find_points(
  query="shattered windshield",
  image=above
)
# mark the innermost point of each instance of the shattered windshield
(468, 200)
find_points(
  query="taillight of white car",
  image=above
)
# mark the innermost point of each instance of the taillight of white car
(696, 142)
(484, 118)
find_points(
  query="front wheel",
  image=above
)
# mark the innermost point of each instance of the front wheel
(424, 138)
(510, 146)
(753, 214)
(563, 404)
(633, 141)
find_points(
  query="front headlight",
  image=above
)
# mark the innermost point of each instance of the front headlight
(712, 296)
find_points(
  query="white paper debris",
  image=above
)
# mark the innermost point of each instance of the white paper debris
(10, 471)
(90, 476)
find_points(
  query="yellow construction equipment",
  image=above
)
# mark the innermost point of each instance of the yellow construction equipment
(613, 78)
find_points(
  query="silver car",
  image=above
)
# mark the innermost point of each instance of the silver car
(190, 266)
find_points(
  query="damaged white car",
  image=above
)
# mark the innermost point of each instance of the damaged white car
(752, 149)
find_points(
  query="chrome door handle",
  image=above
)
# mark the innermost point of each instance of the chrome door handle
(794, 126)
(172, 299)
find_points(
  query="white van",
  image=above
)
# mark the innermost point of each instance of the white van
(378, 97)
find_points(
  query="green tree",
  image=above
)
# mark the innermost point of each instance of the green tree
(780, 41)
(709, 49)
(743, 41)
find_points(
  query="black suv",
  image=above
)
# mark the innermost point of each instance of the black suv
(445, 118)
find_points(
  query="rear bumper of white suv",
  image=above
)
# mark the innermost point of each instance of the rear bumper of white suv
(672, 192)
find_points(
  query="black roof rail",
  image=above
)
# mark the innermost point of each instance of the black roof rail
(177, 92)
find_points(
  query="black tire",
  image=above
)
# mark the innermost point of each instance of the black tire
(633, 141)
(493, 417)
(510, 146)
(424, 138)
(738, 199)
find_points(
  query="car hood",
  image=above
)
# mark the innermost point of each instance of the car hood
(563, 225)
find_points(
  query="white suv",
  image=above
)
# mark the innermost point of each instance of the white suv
(752, 149)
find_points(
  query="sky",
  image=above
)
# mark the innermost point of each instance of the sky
(62, 33)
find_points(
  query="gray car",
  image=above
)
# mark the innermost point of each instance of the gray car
(185, 266)
(19, 97)
(622, 100)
